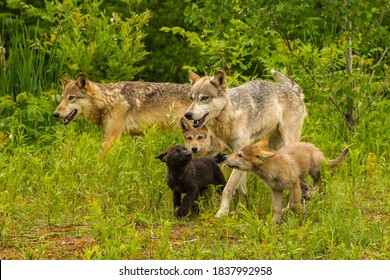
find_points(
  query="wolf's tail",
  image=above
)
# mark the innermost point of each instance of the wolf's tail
(283, 79)
(338, 160)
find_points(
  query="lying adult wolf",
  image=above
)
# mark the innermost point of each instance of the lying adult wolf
(122, 106)
(242, 115)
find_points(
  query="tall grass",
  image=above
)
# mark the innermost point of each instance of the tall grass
(28, 82)
(27, 69)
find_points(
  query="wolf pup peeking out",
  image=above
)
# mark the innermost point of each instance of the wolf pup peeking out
(189, 176)
(200, 141)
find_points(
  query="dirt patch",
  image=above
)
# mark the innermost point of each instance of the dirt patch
(54, 243)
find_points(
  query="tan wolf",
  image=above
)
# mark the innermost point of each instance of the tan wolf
(200, 141)
(284, 169)
(242, 115)
(121, 106)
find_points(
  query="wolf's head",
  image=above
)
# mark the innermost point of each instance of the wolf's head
(74, 99)
(176, 156)
(196, 139)
(208, 97)
(249, 157)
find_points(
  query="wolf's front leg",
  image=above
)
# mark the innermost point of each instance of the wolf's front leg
(113, 132)
(187, 202)
(236, 179)
(176, 199)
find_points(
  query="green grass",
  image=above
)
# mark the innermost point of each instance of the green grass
(61, 201)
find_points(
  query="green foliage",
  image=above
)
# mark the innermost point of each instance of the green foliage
(103, 47)
(228, 36)
(28, 82)
(166, 54)
(24, 67)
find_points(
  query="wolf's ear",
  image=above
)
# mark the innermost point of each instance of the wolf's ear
(204, 128)
(263, 156)
(64, 81)
(219, 80)
(183, 125)
(81, 81)
(193, 77)
(263, 143)
(163, 156)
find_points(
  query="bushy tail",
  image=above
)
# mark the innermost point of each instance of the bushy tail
(283, 79)
(338, 160)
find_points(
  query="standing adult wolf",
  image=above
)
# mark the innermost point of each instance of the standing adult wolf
(121, 106)
(244, 114)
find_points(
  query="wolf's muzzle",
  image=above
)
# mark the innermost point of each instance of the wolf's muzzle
(56, 114)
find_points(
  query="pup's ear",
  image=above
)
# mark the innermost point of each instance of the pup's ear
(81, 81)
(163, 156)
(183, 125)
(204, 128)
(64, 81)
(219, 80)
(263, 143)
(263, 156)
(193, 77)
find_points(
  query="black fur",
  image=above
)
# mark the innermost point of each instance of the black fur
(190, 176)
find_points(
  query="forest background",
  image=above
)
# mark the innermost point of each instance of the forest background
(59, 201)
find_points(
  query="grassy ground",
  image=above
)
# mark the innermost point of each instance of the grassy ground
(60, 201)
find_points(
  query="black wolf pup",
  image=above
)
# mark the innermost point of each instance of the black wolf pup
(190, 176)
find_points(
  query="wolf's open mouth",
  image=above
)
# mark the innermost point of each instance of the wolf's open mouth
(200, 122)
(69, 117)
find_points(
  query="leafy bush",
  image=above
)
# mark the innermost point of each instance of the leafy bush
(103, 47)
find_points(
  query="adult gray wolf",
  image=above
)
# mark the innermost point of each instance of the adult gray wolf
(190, 176)
(121, 106)
(241, 115)
(283, 169)
(200, 141)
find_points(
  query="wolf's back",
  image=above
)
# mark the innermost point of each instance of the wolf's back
(283, 79)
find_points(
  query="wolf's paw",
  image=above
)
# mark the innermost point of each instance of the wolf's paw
(181, 212)
(222, 212)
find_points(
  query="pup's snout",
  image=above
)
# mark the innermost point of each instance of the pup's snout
(56, 114)
(188, 115)
(220, 157)
(194, 149)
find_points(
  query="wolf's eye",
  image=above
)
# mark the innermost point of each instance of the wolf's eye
(203, 98)
(189, 138)
(191, 98)
(200, 137)
(71, 97)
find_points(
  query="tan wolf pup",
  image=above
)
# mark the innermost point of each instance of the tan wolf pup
(242, 115)
(121, 106)
(284, 169)
(200, 141)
